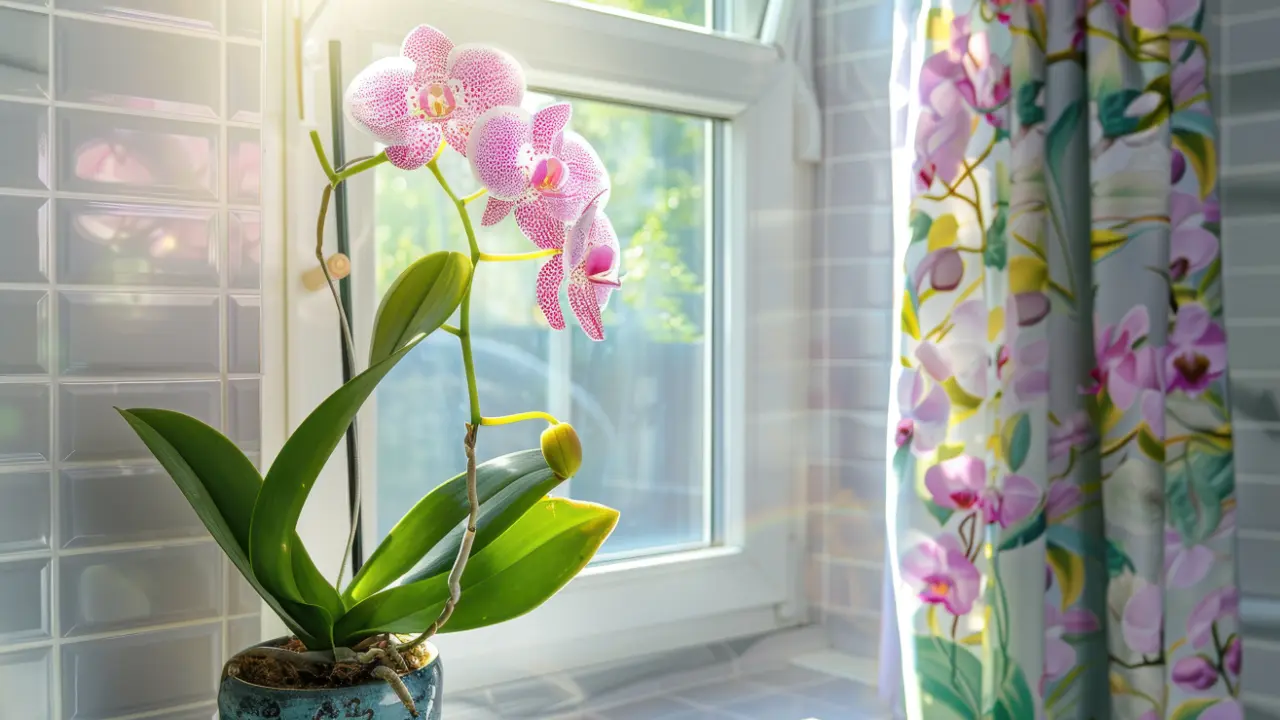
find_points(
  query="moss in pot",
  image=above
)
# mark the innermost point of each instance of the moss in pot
(483, 547)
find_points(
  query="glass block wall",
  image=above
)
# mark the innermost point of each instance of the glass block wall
(129, 222)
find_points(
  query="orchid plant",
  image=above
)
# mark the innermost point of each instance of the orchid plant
(523, 546)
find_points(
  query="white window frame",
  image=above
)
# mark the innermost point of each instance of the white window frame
(750, 584)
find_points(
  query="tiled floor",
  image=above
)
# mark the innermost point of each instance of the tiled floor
(790, 693)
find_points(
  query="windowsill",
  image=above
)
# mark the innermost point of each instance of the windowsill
(786, 675)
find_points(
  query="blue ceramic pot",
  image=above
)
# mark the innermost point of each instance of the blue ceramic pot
(239, 700)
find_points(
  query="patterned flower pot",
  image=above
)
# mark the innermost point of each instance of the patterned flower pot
(239, 700)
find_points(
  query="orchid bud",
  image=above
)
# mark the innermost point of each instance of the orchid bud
(1231, 658)
(562, 449)
(1195, 673)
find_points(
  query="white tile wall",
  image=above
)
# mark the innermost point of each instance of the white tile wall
(851, 276)
(1247, 79)
(128, 216)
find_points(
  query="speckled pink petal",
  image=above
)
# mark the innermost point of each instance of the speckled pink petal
(603, 235)
(548, 123)
(495, 210)
(549, 279)
(423, 143)
(498, 141)
(587, 178)
(377, 100)
(429, 49)
(579, 235)
(542, 230)
(602, 296)
(484, 78)
(586, 307)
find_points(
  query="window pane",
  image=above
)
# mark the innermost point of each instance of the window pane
(739, 17)
(639, 400)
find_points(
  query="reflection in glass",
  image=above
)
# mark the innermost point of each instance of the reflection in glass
(133, 79)
(638, 400)
(110, 243)
(117, 154)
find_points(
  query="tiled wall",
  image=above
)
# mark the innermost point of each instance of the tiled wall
(851, 280)
(1247, 81)
(129, 223)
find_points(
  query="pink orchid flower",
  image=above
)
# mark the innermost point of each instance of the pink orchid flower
(944, 269)
(1187, 79)
(1073, 432)
(1197, 351)
(942, 134)
(985, 81)
(1158, 14)
(1143, 618)
(960, 483)
(1195, 673)
(1185, 566)
(433, 90)
(531, 163)
(1218, 605)
(1123, 370)
(1064, 498)
(1153, 412)
(592, 253)
(943, 574)
(924, 412)
(1059, 655)
(962, 354)
(1029, 359)
(1192, 247)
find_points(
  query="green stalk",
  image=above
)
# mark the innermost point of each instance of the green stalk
(469, 444)
(464, 320)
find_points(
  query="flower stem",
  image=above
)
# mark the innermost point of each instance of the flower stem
(519, 417)
(359, 166)
(514, 257)
(474, 196)
(324, 158)
(463, 332)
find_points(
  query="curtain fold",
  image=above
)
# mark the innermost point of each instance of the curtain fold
(1062, 502)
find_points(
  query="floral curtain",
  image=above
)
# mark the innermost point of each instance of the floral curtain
(1062, 508)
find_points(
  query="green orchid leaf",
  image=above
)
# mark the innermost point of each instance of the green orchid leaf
(514, 574)
(441, 510)
(496, 515)
(272, 534)
(221, 484)
(419, 301)
(950, 678)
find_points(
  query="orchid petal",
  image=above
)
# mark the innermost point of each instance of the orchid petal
(542, 230)
(549, 279)
(586, 307)
(603, 292)
(429, 49)
(580, 233)
(499, 139)
(488, 78)
(422, 144)
(549, 122)
(495, 210)
(377, 100)
(588, 178)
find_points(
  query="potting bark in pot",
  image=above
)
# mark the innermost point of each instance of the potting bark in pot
(450, 562)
